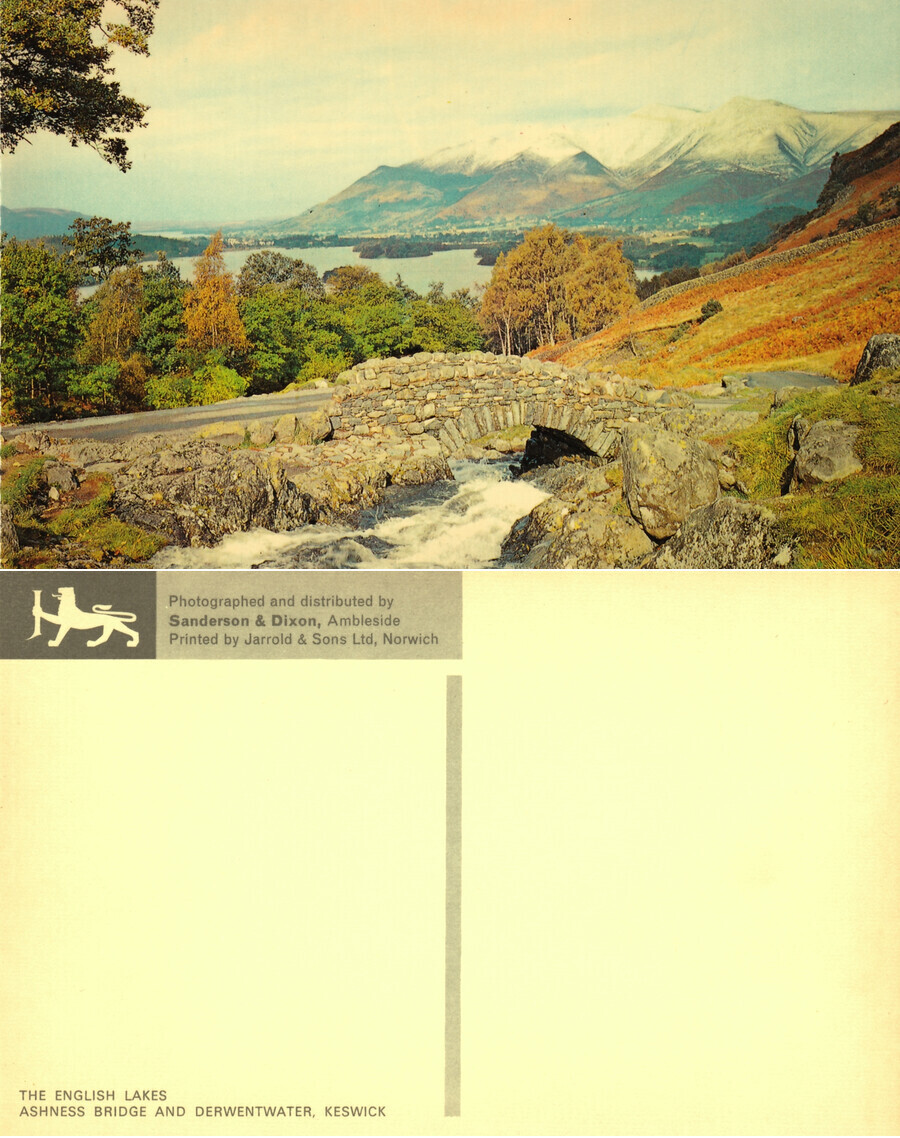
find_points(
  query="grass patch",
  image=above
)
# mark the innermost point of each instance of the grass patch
(508, 434)
(764, 451)
(88, 524)
(854, 524)
(850, 524)
(21, 489)
(112, 537)
(7, 450)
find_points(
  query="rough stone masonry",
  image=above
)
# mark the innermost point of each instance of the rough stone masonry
(464, 396)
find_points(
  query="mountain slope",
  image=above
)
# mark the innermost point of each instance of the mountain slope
(26, 224)
(658, 167)
(812, 313)
(528, 184)
(388, 200)
(863, 187)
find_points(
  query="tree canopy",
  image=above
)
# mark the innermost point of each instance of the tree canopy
(99, 246)
(146, 338)
(271, 268)
(57, 76)
(211, 318)
(553, 286)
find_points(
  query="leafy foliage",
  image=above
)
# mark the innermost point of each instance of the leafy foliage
(169, 390)
(711, 308)
(100, 246)
(41, 327)
(162, 316)
(57, 75)
(115, 320)
(148, 339)
(271, 268)
(213, 382)
(98, 387)
(212, 321)
(553, 286)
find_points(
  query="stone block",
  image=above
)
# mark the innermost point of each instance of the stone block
(467, 424)
(285, 428)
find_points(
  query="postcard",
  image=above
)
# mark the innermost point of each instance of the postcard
(360, 361)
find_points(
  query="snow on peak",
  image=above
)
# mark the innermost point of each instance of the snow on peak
(488, 153)
(761, 134)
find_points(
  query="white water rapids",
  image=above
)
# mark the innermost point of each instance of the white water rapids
(450, 525)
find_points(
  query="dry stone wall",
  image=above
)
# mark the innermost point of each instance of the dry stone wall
(460, 397)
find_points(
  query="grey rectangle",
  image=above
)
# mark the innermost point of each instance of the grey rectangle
(453, 901)
(247, 615)
(61, 614)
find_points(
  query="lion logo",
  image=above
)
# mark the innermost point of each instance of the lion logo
(71, 616)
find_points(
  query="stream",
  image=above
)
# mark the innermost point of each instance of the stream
(446, 525)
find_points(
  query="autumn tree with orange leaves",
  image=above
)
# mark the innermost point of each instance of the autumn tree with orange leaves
(554, 286)
(211, 318)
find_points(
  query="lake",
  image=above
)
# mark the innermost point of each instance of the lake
(457, 268)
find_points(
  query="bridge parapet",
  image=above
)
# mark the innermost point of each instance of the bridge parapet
(457, 397)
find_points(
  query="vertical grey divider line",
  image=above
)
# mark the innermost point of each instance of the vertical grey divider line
(453, 936)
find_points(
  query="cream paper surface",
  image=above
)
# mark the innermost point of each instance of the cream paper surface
(225, 880)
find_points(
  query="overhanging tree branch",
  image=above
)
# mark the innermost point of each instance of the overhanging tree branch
(55, 72)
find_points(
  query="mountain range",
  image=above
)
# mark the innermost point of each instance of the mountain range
(659, 167)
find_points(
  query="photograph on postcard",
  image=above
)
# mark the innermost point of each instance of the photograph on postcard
(546, 285)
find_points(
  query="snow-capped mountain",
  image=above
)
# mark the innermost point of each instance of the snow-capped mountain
(486, 154)
(659, 166)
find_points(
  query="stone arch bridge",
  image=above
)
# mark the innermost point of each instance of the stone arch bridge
(457, 398)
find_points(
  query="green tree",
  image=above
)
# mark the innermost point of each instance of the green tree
(274, 322)
(376, 315)
(349, 280)
(269, 267)
(213, 382)
(162, 316)
(99, 246)
(294, 336)
(117, 376)
(380, 326)
(444, 324)
(41, 328)
(114, 318)
(57, 76)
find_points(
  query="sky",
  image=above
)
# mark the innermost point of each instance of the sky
(260, 109)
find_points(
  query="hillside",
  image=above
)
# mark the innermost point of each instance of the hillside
(26, 224)
(814, 313)
(863, 187)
